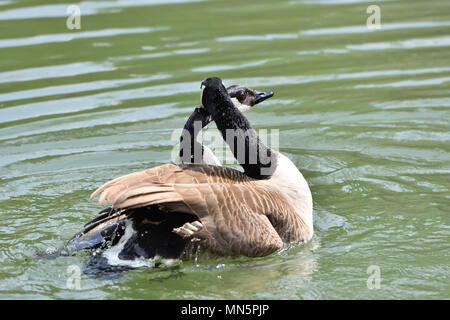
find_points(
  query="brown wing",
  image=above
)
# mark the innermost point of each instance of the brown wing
(237, 212)
(163, 184)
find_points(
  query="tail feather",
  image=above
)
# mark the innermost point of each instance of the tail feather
(102, 215)
(99, 233)
(151, 235)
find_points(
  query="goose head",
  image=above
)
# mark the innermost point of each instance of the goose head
(244, 98)
(256, 158)
(214, 96)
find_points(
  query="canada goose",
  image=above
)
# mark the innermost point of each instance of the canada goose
(224, 211)
(152, 229)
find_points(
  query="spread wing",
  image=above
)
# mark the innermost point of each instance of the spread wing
(238, 213)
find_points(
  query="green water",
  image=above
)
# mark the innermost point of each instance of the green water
(364, 114)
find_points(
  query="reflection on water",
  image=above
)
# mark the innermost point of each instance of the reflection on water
(362, 113)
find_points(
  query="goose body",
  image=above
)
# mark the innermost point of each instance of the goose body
(146, 230)
(228, 212)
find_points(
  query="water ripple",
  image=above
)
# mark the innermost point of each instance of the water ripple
(407, 83)
(387, 45)
(99, 118)
(384, 27)
(334, 2)
(230, 67)
(87, 8)
(403, 44)
(417, 103)
(69, 88)
(161, 54)
(65, 37)
(89, 102)
(55, 71)
(292, 80)
(266, 37)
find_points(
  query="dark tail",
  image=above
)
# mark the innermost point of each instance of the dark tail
(150, 234)
(103, 231)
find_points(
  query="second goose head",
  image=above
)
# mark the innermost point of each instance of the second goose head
(244, 98)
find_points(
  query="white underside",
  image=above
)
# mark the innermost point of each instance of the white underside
(112, 254)
(291, 183)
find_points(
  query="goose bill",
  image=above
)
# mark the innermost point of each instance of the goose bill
(261, 96)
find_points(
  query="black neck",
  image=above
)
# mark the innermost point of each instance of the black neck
(190, 151)
(258, 160)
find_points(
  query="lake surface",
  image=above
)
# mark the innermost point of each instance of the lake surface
(363, 113)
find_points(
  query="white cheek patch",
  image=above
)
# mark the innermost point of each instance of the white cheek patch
(241, 107)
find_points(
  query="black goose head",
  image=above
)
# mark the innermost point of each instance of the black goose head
(214, 96)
